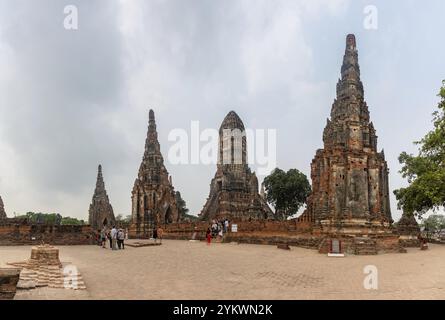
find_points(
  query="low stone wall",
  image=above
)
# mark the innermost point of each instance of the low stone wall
(408, 241)
(22, 234)
(290, 232)
(377, 243)
(9, 278)
(303, 240)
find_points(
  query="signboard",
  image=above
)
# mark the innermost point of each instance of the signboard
(335, 246)
(234, 228)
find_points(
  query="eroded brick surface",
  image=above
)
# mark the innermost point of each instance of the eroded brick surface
(234, 189)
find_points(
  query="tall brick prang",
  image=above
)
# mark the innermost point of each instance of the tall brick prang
(153, 196)
(349, 176)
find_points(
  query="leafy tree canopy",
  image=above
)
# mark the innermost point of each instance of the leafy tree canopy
(434, 224)
(286, 191)
(425, 172)
(182, 206)
(50, 218)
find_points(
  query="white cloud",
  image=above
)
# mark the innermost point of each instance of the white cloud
(71, 100)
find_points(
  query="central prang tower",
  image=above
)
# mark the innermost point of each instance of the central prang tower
(234, 189)
(349, 176)
(153, 196)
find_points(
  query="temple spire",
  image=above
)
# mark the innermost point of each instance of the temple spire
(2, 210)
(350, 86)
(101, 212)
(100, 185)
(349, 176)
(153, 196)
(151, 143)
(350, 58)
(151, 119)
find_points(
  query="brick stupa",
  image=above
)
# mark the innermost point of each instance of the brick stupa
(350, 193)
(153, 195)
(100, 213)
(234, 188)
(2, 210)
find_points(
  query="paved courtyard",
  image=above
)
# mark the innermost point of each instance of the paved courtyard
(193, 270)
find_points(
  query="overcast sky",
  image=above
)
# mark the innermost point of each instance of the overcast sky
(71, 99)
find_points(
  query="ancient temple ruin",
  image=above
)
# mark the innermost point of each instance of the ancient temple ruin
(234, 189)
(44, 269)
(2, 210)
(409, 230)
(350, 191)
(153, 196)
(100, 212)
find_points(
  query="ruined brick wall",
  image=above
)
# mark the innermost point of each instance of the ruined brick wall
(9, 278)
(22, 234)
(291, 232)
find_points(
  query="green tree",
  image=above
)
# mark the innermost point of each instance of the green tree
(425, 172)
(72, 221)
(50, 218)
(286, 191)
(434, 224)
(182, 208)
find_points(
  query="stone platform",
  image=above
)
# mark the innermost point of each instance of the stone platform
(184, 270)
(9, 278)
(44, 269)
(141, 243)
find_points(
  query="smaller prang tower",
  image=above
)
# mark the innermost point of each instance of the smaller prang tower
(3, 215)
(234, 189)
(101, 212)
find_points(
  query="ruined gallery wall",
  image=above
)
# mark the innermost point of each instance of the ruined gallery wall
(292, 232)
(24, 234)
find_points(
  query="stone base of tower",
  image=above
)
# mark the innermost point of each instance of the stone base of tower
(409, 230)
(409, 241)
(136, 231)
(359, 236)
(356, 226)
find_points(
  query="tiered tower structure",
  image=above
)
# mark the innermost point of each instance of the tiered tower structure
(2, 210)
(100, 212)
(409, 230)
(349, 176)
(153, 196)
(234, 189)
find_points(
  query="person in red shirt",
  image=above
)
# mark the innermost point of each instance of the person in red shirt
(209, 236)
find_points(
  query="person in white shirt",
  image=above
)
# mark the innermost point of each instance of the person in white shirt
(114, 238)
(120, 239)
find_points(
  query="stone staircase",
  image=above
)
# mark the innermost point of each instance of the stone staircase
(365, 246)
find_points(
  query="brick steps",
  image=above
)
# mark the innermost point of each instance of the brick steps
(365, 246)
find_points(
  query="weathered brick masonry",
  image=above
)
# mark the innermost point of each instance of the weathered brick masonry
(292, 232)
(24, 234)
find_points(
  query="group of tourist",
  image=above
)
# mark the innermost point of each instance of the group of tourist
(217, 229)
(116, 238)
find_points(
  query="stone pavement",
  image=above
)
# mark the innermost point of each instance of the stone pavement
(193, 270)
